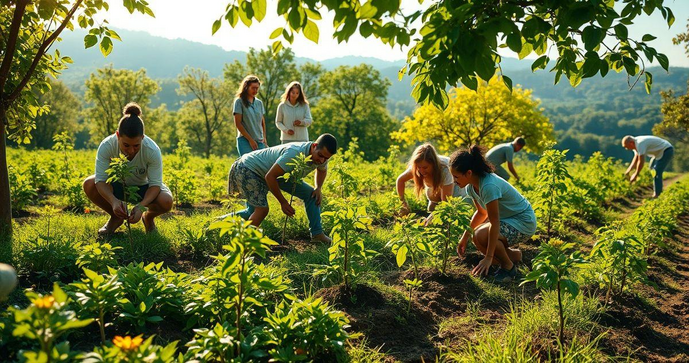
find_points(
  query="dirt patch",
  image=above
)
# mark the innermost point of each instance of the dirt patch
(655, 328)
(383, 321)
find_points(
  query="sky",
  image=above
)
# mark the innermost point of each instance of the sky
(176, 19)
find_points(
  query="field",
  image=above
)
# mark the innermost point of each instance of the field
(387, 290)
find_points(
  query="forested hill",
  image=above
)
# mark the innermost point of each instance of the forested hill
(591, 117)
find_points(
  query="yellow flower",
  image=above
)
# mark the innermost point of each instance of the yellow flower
(128, 343)
(46, 302)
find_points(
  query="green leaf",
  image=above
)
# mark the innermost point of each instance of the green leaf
(113, 34)
(246, 12)
(106, 46)
(367, 11)
(232, 16)
(514, 42)
(277, 47)
(294, 19)
(662, 59)
(365, 29)
(401, 256)
(648, 38)
(260, 9)
(527, 48)
(649, 82)
(621, 31)
(508, 82)
(216, 26)
(276, 33)
(90, 40)
(311, 31)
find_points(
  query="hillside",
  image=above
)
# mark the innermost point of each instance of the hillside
(592, 116)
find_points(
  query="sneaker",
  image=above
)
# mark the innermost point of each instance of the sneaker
(322, 238)
(506, 275)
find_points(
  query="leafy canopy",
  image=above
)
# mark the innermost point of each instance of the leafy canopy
(453, 41)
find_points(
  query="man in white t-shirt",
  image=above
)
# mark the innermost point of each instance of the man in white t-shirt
(146, 163)
(659, 150)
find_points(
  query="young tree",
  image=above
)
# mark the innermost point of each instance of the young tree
(488, 116)
(211, 110)
(63, 114)
(310, 73)
(108, 90)
(352, 105)
(29, 29)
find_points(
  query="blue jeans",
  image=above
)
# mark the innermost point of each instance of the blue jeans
(659, 166)
(243, 146)
(302, 191)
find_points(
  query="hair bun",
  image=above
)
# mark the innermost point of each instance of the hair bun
(132, 109)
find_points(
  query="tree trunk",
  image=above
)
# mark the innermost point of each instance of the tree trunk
(5, 202)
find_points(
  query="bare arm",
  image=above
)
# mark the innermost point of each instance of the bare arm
(150, 196)
(494, 228)
(319, 178)
(632, 165)
(265, 136)
(510, 166)
(477, 219)
(240, 127)
(272, 180)
(400, 185)
(105, 191)
(639, 165)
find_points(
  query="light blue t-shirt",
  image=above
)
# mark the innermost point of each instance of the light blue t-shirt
(252, 118)
(260, 161)
(500, 154)
(515, 210)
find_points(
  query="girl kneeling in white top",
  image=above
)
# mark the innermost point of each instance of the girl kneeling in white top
(293, 116)
(146, 163)
(431, 174)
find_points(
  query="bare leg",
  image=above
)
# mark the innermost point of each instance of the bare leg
(161, 205)
(259, 214)
(113, 223)
(500, 255)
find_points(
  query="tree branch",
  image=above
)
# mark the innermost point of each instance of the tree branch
(42, 50)
(11, 46)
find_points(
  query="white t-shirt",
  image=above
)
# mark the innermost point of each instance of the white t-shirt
(652, 146)
(147, 165)
(445, 179)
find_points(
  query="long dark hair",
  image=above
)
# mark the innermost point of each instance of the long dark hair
(131, 124)
(472, 159)
(243, 90)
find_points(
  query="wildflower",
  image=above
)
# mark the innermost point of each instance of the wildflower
(128, 343)
(46, 302)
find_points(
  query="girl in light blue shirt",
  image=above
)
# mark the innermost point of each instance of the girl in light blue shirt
(503, 216)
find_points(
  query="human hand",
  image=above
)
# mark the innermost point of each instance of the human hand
(287, 209)
(118, 209)
(482, 268)
(318, 194)
(135, 215)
